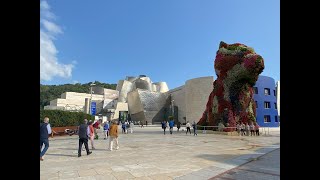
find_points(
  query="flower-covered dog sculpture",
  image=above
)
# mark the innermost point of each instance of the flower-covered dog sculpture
(237, 67)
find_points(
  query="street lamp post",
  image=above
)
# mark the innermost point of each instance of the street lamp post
(172, 107)
(92, 84)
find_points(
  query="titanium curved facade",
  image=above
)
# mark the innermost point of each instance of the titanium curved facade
(131, 78)
(146, 79)
(142, 84)
(124, 87)
(266, 102)
(146, 105)
(145, 100)
(161, 87)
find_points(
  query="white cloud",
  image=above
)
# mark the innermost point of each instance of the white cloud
(44, 5)
(45, 10)
(49, 65)
(51, 27)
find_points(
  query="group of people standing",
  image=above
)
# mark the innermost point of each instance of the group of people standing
(194, 126)
(165, 124)
(86, 130)
(126, 126)
(244, 129)
(170, 124)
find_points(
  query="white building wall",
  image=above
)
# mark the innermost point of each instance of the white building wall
(76, 101)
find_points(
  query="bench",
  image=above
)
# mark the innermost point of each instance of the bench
(62, 130)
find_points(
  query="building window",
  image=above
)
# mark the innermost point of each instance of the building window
(276, 119)
(255, 90)
(275, 106)
(266, 91)
(267, 105)
(274, 92)
(256, 104)
(267, 118)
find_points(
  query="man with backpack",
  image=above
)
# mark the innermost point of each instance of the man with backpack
(164, 126)
(106, 129)
(171, 124)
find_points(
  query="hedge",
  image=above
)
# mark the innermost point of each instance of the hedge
(59, 118)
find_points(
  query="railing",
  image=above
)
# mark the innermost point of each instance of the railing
(204, 131)
(263, 130)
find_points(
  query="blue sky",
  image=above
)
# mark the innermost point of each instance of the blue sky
(167, 40)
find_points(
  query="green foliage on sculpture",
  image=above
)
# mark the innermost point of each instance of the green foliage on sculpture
(237, 67)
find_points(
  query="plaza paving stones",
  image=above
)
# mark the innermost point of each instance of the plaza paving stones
(148, 154)
(266, 167)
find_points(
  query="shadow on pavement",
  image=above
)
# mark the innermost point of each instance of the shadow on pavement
(62, 155)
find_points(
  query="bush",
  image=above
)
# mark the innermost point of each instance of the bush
(58, 118)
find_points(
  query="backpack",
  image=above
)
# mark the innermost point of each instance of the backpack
(106, 126)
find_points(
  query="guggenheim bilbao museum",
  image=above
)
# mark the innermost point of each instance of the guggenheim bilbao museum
(140, 100)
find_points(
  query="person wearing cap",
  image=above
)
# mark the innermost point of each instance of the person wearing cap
(84, 133)
(113, 136)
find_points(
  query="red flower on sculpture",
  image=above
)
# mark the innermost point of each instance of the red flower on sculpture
(232, 89)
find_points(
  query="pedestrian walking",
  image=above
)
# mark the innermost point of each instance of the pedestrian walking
(84, 133)
(113, 136)
(188, 127)
(45, 130)
(194, 125)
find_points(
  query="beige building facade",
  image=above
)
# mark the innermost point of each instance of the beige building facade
(142, 100)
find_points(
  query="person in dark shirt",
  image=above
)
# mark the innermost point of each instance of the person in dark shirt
(178, 125)
(164, 126)
(45, 130)
(194, 125)
(84, 133)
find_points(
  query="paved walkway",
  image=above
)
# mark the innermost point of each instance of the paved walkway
(148, 154)
(266, 167)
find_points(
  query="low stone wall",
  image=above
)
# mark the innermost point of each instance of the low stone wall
(234, 133)
(61, 130)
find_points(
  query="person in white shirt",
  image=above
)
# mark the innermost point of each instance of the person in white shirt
(242, 127)
(247, 127)
(188, 127)
(252, 129)
(131, 127)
